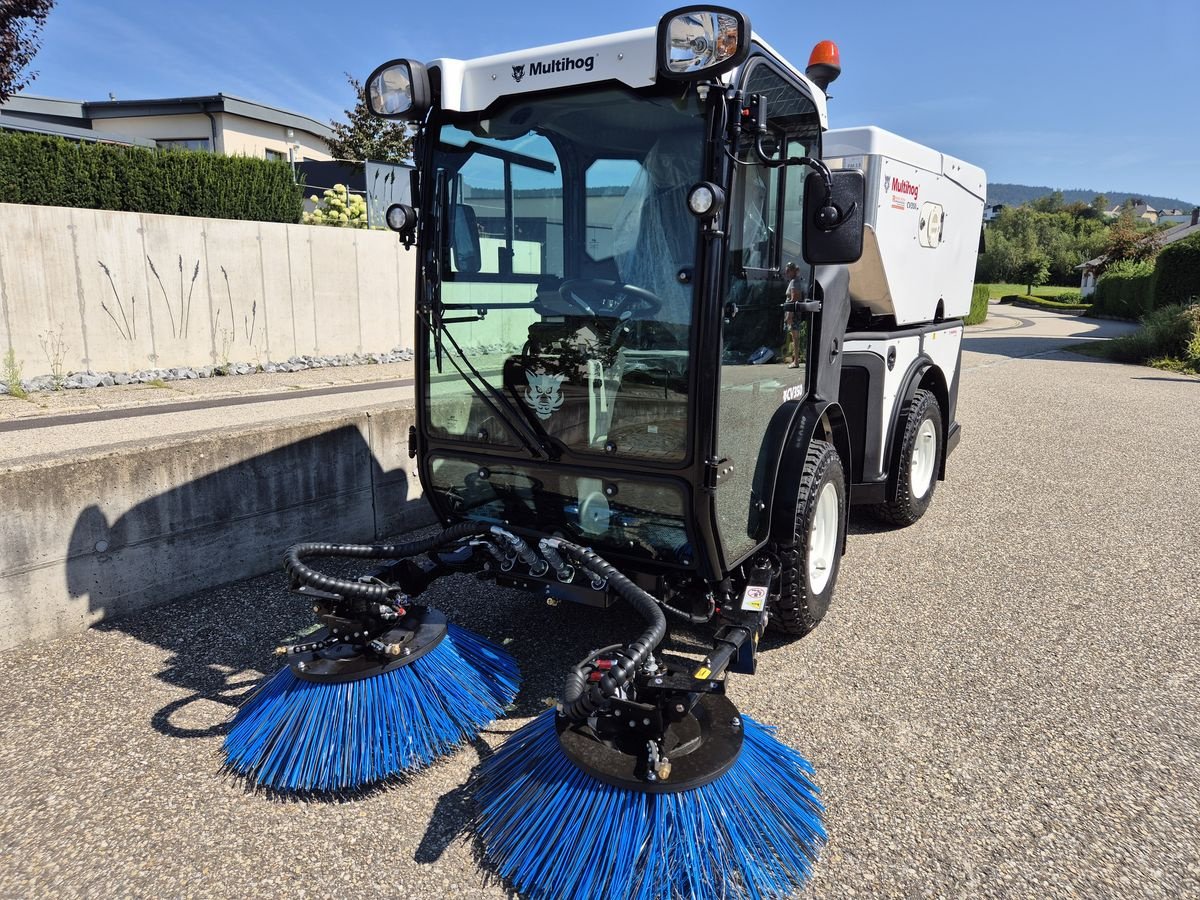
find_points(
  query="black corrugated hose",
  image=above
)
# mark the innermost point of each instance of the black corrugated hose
(299, 573)
(578, 701)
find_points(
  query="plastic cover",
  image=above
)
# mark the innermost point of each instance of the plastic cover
(654, 236)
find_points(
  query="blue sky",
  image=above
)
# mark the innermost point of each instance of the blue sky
(1099, 95)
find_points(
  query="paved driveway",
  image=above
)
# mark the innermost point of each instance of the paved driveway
(1002, 701)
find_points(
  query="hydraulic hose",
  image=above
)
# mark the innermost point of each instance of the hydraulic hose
(579, 701)
(299, 573)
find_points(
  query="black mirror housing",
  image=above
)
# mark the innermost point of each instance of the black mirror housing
(464, 241)
(833, 225)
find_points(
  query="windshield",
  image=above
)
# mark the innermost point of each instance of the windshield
(566, 273)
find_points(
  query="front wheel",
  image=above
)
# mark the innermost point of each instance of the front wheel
(919, 436)
(810, 561)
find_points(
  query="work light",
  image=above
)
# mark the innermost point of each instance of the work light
(705, 200)
(698, 41)
(399, 90)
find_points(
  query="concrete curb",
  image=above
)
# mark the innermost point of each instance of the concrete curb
(88, 538)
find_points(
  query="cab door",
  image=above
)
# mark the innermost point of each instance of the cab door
(764, 235)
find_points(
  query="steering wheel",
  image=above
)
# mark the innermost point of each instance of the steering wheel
(604, 298)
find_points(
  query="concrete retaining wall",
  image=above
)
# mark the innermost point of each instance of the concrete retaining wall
(82, 540)
(128, 291)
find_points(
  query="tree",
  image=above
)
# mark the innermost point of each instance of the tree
(365, 137)
(1100, 203)
(21, 24)
(1127, 241)
(1049, 203)
(1034, 271)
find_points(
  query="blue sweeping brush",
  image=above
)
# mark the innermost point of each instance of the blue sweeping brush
(385, 688)
(646, 783)
(294, 735)
(556, 832)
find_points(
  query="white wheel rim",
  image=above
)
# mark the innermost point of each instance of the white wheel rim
(822, 539)
(924, 457)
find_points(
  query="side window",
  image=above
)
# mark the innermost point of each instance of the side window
(793, 207)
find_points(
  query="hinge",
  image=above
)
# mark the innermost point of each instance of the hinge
(412, 441)
(717, 470)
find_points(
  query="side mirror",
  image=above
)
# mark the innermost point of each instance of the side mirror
(833, 226)
(464, 240)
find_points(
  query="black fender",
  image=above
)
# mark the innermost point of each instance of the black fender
(814, 420)
(922, 373)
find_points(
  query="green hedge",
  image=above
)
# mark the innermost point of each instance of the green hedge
(979, 305)
(1043, 303)
(1125, 290)
(52, 171)
(1177, 272)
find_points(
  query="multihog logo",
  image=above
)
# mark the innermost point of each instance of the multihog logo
(563, 64)
(901, 186)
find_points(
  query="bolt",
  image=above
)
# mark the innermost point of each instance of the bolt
(632, 723)
(658, 681)
(645, 721)
(302, 666)
(678, 707)
(735, 722)
(316, 609)
(650, 776)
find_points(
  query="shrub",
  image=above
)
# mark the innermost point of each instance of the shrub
(1177, 272)
(52, 171)
(1170, 336)
(338, 207)
(1043, 303)
(1072, 298)
(1125, 290)
(979, 305)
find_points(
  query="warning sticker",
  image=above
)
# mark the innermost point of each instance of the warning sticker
(754, 599)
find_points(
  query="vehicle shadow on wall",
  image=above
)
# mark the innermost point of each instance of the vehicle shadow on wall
(196, 540)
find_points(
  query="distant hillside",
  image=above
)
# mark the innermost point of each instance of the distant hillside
(1016, 194)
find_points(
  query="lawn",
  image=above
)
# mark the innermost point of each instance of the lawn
(996, 291)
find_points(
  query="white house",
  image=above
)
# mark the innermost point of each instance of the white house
(220, 122)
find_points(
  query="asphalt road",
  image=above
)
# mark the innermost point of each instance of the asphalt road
(1002, 702)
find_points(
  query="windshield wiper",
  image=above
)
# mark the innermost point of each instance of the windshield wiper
(536, 440)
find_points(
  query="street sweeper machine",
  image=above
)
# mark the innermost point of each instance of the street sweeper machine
(669, 327)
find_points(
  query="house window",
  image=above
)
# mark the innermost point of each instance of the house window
(182, 143)
(275, 155)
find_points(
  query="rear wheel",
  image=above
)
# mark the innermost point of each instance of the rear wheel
(919, 439)
(810, 561)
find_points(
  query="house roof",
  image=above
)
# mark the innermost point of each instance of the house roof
(80, 113)
(238, 106)
(1170, 236)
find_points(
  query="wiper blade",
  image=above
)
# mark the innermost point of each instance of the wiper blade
(538, 444)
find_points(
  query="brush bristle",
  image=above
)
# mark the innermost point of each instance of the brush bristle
(556, 833)
(299, 736)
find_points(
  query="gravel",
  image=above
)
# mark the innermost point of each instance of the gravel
(88, 380)
(1002, 701)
